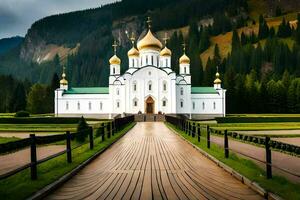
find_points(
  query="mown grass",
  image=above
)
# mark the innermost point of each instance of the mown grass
(8, 139)
(37, 127)
(278, 185)
(20, 186)
(257, 126)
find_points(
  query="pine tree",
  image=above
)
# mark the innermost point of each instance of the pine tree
(235, 40)
(204, 40)
(263, 31)
(18, 99)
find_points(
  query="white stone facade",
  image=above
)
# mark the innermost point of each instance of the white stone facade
(148, 86)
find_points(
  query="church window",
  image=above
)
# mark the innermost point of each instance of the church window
(90, 106)
(134, 86)
(181, 103)
(118, 104)
(214, 105)
(135, 103)
(118, 91)
(164, 103)
(150, 86)
(114, 70)
(165, 86)
(181, 91)
(184, 70)
(149, 73)
(67, 105)
(193, 105)
(146, 60)
(152, 60)
(203, 106)
(78, 105)
(101, 105)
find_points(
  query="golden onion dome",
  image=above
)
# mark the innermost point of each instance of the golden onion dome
(149, 41)
(217, 80)
(166, 52)
(184, 59)
(115, 60)
(133, 52)
(63, 81)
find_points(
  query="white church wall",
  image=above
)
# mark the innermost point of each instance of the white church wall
(183, 93)
(82, 104)
(208, 104)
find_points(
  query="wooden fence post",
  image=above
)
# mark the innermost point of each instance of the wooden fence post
(226, 149)
(208, 136)
(33, 166)
(194, 130)
(189, 128)
(69, 153)
(186, 127)
(113, 128)
(108, 130)
(91, 137)
(199, 132)
(268, 158)
(102, 132)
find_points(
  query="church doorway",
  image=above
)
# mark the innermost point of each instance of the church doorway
(149, 105)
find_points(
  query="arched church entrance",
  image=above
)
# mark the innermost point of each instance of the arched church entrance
(149, 105)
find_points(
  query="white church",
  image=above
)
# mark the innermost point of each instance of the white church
(149, 86)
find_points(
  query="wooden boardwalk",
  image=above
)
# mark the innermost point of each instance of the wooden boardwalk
(151, 162)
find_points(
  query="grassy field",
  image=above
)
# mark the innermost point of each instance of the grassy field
(249, 169)
(20, 186)
(7, 139)
(257, 126)
(37, 127)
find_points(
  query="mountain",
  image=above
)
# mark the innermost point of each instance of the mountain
(7, 44)
(83, 39)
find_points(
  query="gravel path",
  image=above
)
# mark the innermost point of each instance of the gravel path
(279, 159)
(9, 162)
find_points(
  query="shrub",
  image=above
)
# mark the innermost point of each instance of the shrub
(278, 145)
(241, 136)
(250, 139)
(82, 130)
(99, 132)
(234, 134)
(297, 150)
(283, 146)
(255, 140)
(245, 137)
(22, 113)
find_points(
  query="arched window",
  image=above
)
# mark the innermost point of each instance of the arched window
(214, 105)
(181, 103)
(118, 104)
(67, 105)
(135, 102)
(150, 86)
(90, 106)
(114, 70)
(164, 102)
(146, 60)
(152, 60)
(118, 91)
(164, 86)
(203, 105)
(134, 86)
(184, 70)
(101, 105)
(78, 105)
(194, 105)
(181, 91)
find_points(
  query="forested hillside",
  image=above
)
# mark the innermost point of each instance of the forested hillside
(256, 45)
(7, 44)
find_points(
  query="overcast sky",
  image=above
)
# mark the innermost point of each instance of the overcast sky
(16, 16)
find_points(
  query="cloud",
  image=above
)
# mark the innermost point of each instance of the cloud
(16, 16)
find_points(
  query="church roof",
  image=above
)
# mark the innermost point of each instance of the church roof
(87, 90)
(204, 90)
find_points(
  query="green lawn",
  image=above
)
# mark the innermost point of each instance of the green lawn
(257, 126)
(277, 185)
(37, 127)
(20, 186)
(7, 139)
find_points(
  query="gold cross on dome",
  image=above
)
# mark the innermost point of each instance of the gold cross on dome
(166, 38)
(184, 47)
(149, 21)
(132, 38)
(114, 45)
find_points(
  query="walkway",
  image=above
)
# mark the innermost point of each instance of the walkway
(150, 162)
